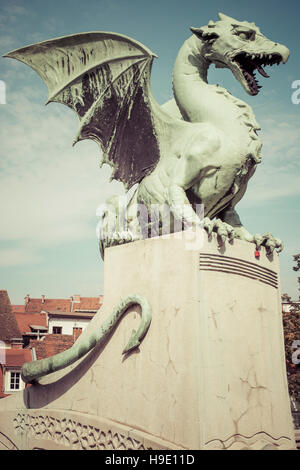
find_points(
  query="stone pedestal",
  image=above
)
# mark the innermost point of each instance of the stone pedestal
(209, 374)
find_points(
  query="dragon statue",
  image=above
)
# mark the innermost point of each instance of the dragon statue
(201, 148)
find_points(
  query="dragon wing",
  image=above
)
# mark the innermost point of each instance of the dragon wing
(105, 78)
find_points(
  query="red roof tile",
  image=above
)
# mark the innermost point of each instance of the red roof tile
(51, 345)
(17, 357)
(88, 303)
(18, 308)
(37, 305)
(33, 306)
(57, 304)
(24, 320)
(64, 305)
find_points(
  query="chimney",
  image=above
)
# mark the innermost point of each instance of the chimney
(27, 298)
(74, 299)
(43, 299)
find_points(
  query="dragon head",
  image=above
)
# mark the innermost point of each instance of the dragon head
(241, 47)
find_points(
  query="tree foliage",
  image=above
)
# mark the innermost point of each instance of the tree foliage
(291, 325)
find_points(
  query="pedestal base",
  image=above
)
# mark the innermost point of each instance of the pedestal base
(209, 374)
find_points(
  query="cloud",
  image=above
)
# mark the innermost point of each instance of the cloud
(7, 42)
(11, 13)
(278, 174)
(281, 138)
(49, 190)
(20, 26)
(15, 257)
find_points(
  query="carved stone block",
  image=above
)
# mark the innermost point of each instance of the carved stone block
(209, 374)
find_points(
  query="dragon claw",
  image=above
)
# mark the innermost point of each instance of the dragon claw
(223, 230)
(279, 245)
(258, 240)
(270, 242)
(208, 225)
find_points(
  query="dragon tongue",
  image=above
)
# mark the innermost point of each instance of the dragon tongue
(262, 72)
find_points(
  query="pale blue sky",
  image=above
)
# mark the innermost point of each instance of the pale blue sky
(50, 191)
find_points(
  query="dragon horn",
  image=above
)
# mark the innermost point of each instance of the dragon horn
(223, 17)
(199, 32)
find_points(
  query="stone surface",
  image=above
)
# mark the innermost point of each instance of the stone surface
(209, 374)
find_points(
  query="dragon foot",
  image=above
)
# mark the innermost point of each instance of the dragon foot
(223, 230)
(267, 240)
(117, 238)
(270, 242)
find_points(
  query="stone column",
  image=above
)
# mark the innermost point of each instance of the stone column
(212, 368)
(210, 372)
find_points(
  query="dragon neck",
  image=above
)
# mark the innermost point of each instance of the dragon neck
(199, 101)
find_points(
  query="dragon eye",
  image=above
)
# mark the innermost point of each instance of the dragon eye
(248, 35)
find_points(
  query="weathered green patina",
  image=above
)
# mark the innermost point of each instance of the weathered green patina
(32, 371)
(201, 148)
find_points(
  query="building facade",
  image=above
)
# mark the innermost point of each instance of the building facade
(38, 329)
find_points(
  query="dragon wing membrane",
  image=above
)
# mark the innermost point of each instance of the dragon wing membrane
(105, 78)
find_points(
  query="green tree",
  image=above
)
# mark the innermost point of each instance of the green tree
(291, 325)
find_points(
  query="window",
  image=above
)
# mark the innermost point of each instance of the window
(14, 382)
(57, 330)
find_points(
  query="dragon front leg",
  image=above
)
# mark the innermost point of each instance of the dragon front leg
(116, 226)
(181, 207)
(183, 210)
(197, 162)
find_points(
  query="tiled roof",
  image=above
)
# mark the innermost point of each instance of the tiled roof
(17, 357)
(24, 320)
(8, 324)
(62, 305)
(18, 308)
(37, 305)
(88, 303)
(51, 344)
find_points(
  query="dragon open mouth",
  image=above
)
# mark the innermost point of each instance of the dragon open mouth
(250, 63)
